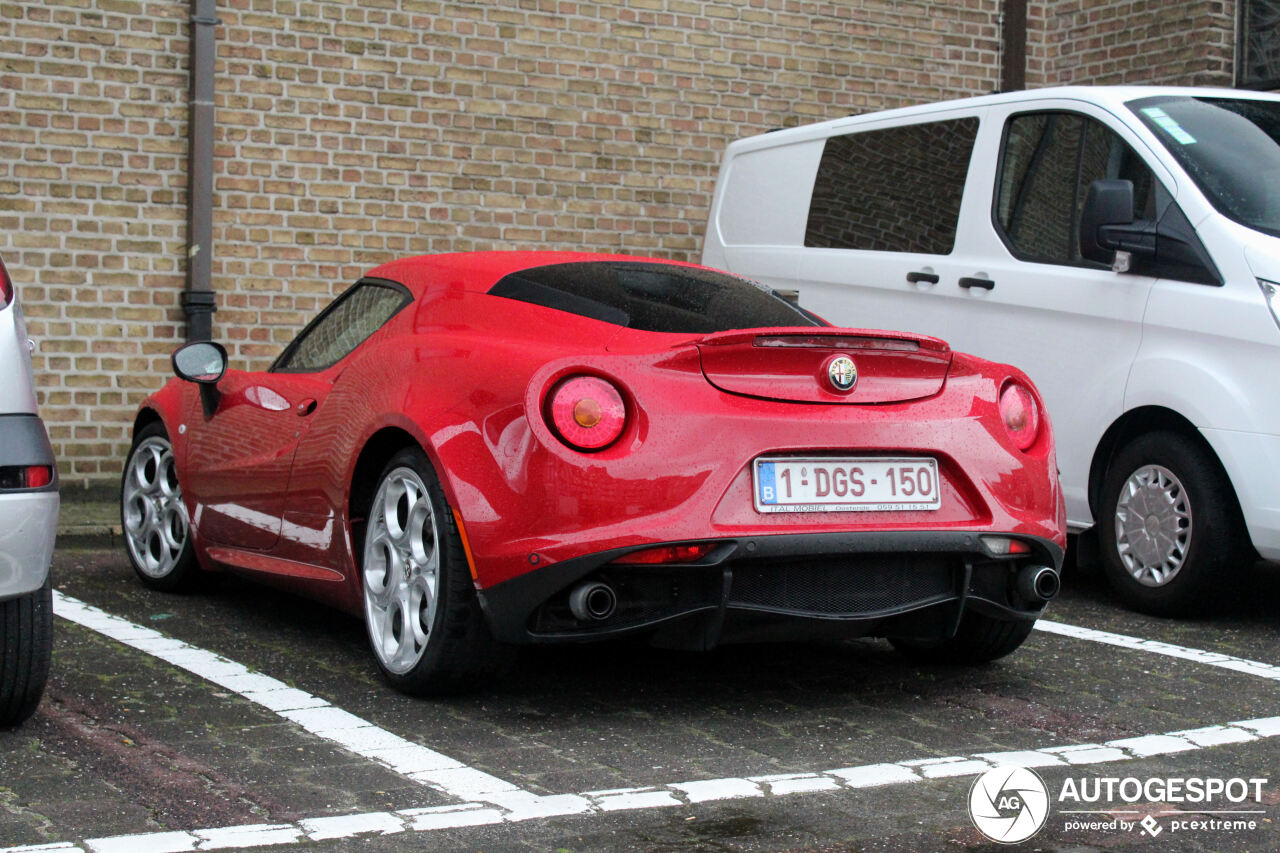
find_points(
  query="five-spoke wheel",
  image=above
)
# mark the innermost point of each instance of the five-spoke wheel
(152, 514)
(401, 570)
(425, 625)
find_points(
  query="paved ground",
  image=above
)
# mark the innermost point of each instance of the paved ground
(241, 717)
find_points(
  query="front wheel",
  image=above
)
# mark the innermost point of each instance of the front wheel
(425, 625)
(157, 533)
(979, 639)
(1171, 535)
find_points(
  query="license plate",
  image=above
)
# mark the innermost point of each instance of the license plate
(849, 484)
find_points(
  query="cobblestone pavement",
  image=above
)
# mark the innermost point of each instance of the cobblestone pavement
(240, 717)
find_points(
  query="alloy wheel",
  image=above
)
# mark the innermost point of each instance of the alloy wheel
(155, 518)
(401, 569)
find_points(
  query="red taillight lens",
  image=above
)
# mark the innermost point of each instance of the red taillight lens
(667, 554)
(6, 286)
(25, 476)
(586, 412)
(1020, 413)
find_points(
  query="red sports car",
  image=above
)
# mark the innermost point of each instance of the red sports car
(479, 450)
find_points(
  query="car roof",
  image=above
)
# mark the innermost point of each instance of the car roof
(479, 271)
(1110, 97)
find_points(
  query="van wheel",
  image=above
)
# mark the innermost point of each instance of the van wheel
(979, 639)
(1171, 532)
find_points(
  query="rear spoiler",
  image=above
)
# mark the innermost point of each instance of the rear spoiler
(826, 338)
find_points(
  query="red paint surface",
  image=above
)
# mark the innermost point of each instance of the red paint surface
(465, 375)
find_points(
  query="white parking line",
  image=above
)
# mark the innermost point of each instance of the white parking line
(521, 806)
(494, 801)
(422, 765)
(1247, 667)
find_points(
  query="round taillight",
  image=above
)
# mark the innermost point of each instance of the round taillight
(586, 412)
(1020, 413)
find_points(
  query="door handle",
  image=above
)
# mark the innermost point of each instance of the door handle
(984, 283)
(917, 277)
(305, 408)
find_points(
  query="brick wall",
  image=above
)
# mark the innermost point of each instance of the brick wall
(350, 132)
(1130, 41)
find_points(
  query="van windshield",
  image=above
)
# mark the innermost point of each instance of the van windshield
(1229, 146)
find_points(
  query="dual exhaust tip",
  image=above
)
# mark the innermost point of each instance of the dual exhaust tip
(595, 601)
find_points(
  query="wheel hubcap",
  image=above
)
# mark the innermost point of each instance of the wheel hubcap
(155, 519)
(1153, 525)
(401, 570)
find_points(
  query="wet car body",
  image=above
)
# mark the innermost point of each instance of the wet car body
(660, 532)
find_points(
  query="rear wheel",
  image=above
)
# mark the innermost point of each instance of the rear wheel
(26, 641)
(424, 622)
(153, 516)
(979, 639)
(1171, 536)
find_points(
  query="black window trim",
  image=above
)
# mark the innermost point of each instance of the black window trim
(407, 298)
(999, 178)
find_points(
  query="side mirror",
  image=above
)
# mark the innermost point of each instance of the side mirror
(1108, 203)
(202, 361)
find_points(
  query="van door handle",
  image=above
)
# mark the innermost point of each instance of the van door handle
(984, 283)
(916, 277)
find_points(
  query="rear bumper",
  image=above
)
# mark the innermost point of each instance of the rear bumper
(900, 584)
(28, 517)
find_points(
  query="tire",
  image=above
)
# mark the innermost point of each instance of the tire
(1171, 535)
(153, 517)
(979, 639)
(424, 622)
(26, 642)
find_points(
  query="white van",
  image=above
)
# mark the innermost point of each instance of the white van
(1121, 245)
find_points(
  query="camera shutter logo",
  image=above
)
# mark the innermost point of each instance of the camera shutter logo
(1009, 804)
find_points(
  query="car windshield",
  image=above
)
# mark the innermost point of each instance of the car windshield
(653, 297)
(1229, 146)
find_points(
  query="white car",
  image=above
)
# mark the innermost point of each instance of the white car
(1119, 244)
(28, 522)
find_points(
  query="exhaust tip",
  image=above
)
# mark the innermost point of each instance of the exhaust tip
(593, 601)
(1038, 583)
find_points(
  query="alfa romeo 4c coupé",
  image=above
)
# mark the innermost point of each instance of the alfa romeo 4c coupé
(475, 451)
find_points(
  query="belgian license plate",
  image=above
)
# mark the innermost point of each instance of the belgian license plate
(848, 484)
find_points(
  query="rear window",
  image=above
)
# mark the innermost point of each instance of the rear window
(653, 297)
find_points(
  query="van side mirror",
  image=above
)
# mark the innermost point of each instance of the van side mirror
(1107, 225)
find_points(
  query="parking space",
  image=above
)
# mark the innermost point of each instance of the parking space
(243, 717)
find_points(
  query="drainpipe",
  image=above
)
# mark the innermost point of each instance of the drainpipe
(1013, 38)
(198, 299)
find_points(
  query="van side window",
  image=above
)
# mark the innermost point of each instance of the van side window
(1048, 162)
(892, 190)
